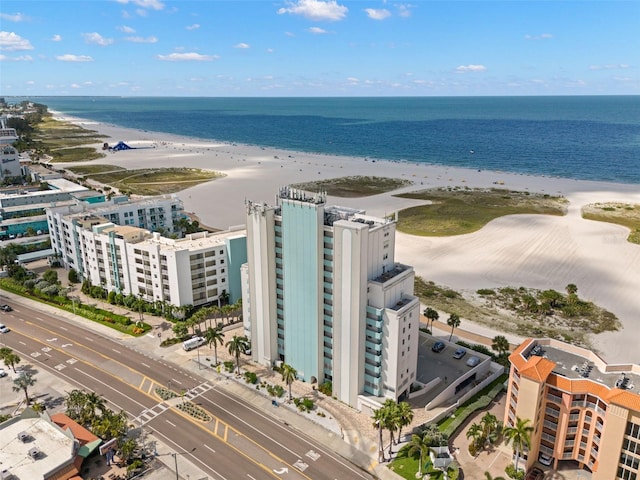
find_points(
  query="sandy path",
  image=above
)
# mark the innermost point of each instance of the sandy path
(520, 250)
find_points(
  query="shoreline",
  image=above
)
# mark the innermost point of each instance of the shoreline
(534, 251)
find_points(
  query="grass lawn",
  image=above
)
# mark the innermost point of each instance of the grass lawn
(95, 169)
(154, 181)
(627, 215)
(352, 187)
(456, 211)
(407, 466)
(64, 140)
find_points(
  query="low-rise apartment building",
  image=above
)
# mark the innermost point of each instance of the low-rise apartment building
(153, 213)
(583, 411)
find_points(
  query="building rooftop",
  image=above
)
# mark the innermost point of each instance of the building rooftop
(32, 446)
(583, 368)
(394, 271)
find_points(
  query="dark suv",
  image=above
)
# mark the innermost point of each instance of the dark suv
(6, 308)
(438, 347)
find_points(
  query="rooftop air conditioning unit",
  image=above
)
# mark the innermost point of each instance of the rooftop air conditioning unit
(23, 437)
(34, 453)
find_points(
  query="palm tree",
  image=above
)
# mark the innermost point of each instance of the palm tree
(94, 402)
(11, 360)
(420, 446)
(392, 421)
(500, 344)
(453, 321)
(519, 436)
(405, 415)
(378, 422)
(289, 375)
(23, 382)
(236, 346)
(431, 315)
(127, 448)
(489, 425)
(475, 432)
(215, 337)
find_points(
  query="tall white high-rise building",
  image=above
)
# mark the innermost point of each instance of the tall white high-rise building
(322, 292)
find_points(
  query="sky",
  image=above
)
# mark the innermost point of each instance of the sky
(319, 48)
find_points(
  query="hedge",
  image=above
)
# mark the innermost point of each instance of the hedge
(448, 426)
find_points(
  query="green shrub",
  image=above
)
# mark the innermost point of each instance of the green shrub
(326, 388)
(229, 366)
(510, 470)
(275, 390)
(250, 377)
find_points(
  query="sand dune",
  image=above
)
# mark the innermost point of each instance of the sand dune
(520, 250)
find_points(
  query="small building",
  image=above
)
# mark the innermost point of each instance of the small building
(37, 446)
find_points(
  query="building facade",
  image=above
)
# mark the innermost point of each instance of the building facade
(583, 411)
(154, 214)
(200, 269)
(323, 293)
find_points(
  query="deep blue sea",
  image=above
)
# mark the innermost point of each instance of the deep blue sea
(590, 138)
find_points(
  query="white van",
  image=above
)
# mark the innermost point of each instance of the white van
(192, 343)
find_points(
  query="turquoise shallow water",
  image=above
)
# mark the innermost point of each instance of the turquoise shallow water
(590, 138)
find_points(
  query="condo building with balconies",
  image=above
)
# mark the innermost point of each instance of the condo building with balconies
(583, 411)
(323, 293)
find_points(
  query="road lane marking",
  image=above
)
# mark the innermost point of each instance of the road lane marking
(144, 365)
(208, 447)
(171, 423)
(89, 339)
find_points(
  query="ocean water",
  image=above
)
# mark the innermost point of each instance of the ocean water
(589, 138)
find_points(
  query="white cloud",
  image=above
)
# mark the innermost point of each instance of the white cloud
(377, 13)
(316, 10)
(270, 50)
(542, 36)
(126, 29)
(153, 4)
(95, 37)
(317, 30)
(74, 58)
(74, 85)
(11, 42)
(187, 57)
(17, 17)
(290, 34)
(404, 10)
(56, 38)
(30, 82)
(619, 66)
(20, 58)
(195, 26)
(470, 68)
(142, 39)
(242, 45)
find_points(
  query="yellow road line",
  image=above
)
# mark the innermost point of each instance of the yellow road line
(187, 417)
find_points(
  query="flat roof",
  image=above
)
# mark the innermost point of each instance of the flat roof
(55, 447)
(576, 366)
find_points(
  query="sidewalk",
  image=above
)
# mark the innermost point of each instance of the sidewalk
(343, 430)
(342, 433)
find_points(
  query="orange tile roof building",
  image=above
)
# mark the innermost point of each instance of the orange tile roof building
(583, 411)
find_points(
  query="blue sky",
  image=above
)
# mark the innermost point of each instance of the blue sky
(319, 48)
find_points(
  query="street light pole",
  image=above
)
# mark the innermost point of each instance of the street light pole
(175, 459)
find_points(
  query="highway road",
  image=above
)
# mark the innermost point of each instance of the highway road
(241, 442)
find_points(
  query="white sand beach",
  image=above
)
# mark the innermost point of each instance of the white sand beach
(520, 250)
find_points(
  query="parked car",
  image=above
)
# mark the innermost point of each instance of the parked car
(6, 308)
(534, 474)
(4, 328)
(545, 460)
(459, 353)
(473, 361)
(2, 373)
(438, 347)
